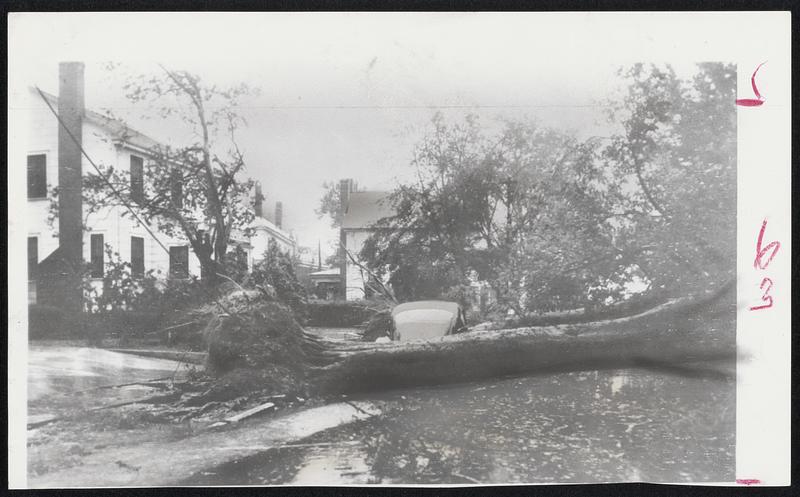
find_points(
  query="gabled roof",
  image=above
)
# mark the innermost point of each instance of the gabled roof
(117, 129)
(260, 223)
(365, 209)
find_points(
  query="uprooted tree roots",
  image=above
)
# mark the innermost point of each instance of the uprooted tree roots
(257, 345)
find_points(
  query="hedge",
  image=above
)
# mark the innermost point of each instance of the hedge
(337, 314)
(46, 321)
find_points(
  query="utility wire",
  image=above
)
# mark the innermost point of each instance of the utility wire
(119, 195)
(100, 173)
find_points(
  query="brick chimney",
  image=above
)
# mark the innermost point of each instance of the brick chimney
(70, 173)
(345, 188)
(279, 214)
(257, 203)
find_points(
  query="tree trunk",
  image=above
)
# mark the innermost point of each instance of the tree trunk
(672, 332)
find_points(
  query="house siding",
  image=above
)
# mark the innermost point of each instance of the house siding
(116, 227)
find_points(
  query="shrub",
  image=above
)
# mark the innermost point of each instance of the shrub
(46, 321)
(124, 323)
(379, 325)
(338, 314)
(122, 290)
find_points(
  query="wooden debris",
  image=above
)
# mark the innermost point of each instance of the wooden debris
(250, 412)
(34, 420)
(196, 358)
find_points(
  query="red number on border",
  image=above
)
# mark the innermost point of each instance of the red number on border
(766, 298)
(753, 102)
(761, 252)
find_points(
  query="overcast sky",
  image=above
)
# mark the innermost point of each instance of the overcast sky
(348, 95)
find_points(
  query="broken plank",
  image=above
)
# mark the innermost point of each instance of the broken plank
(36, 420)
(250, 412)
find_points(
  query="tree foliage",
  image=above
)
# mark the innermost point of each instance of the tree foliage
(554, 222)
(124, 291)
(330, 204)
(195, 191)
(276, 270)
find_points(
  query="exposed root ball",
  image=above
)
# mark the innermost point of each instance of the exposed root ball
(255, 344)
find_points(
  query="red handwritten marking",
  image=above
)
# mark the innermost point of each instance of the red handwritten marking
(765, 298)
(753, 102)
(747, 481)
(761, 252)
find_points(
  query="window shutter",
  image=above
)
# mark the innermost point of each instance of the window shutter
(37, 176)
(98, 263)
(137, 179)
(137, 256)
(179, 261)
(33, 256)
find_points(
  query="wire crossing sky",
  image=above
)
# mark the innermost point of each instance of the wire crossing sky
(350, 94)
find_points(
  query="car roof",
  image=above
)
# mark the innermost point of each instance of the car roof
(426, 304)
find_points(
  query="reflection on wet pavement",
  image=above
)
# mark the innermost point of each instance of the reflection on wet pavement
(62, 378)
(572, 427)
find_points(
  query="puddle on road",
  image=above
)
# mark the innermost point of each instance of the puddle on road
(64, 370)
(588, 426)
(67, 378)
(339, 463)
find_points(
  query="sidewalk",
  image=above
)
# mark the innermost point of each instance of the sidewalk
(164, 464)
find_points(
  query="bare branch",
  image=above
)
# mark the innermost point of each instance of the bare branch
(388, 292)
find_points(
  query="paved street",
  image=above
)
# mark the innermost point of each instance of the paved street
(571, 427)
(66, 378)
(584, 426)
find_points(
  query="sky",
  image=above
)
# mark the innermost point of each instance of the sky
(349, 95)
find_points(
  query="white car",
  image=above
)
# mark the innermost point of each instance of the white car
(426, 319)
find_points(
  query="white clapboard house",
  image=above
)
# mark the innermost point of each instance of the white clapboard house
(74, 235)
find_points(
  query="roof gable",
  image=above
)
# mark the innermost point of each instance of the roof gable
(117, 129)
(365, 209)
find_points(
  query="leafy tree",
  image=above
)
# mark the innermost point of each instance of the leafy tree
(194, 191)
(276, 270)
(677, 158)
(236, 267)
(551, 222)
(471, 214)
(330, 204)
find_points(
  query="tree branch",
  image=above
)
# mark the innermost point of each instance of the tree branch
(386, 290)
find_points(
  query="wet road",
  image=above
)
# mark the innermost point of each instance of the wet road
(591, 426)
(65, 378)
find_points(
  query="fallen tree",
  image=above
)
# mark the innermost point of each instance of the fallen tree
(261, 341)
(669, 333)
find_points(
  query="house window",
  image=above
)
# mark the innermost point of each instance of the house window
(33, 256)
(137, 256)
(97, 261)
(241, 257)
(179, 261)
(37, 176)
(176, 188)
(137, 179)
